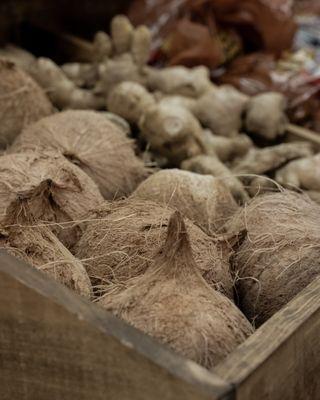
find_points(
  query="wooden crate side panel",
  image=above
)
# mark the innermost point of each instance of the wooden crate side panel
(281, 361)
(55, 345)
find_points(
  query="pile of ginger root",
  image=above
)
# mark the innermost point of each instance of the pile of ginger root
(178, 116)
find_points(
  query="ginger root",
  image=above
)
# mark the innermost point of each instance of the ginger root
(176, 100)
(130, 100)
(190, 82)
(209, 165)
(141, 44)
(225, 148)
(172, 132)
(303, 173)
(129, 54)
(102, 45)
(83, 75)
(221, 109)
(266, 116)
(61, 90)
(261, 161)
(121, 33)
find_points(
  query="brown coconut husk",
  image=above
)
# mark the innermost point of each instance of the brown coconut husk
(203, 199)
(122, 238)
(279, 255)
(172, 303)
(51, 190)
(93, 143)
(39, 247)
(22, 102)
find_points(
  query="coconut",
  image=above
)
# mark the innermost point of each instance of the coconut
(53, 190)
(203, 199)
(39, 247)
(122, 238)
(93, 143)
(172, 303)
(22, 102)
(279, 255)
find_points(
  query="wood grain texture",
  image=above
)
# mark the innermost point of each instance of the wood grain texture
(281, 361)
(55, 345)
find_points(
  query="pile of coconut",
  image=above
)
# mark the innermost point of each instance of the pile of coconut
(156, 194)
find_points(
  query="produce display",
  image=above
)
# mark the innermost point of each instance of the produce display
(181, 206)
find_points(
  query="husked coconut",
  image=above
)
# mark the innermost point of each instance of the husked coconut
(55, 191)
(38, 246)
(203, 199)
(172, 303)
(122, 238)
(279, 253)
(91, 142)
(22, 102)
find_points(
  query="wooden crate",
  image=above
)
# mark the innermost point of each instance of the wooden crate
(56, 345)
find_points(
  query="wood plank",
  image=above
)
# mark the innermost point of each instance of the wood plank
(281, 361)
(55, 345)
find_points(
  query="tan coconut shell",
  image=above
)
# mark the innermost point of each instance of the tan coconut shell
(173, 303)
(22, 102)
(93, 143)
(39, 247)
(121, 240)
(203, 199)
(54, 190)
(279, 254)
